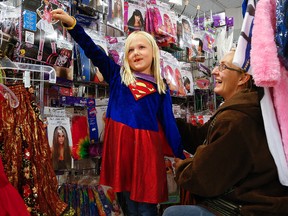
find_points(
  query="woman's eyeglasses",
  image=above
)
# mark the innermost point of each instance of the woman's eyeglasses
(222, 67)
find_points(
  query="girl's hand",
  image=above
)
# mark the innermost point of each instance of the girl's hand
(66, 19)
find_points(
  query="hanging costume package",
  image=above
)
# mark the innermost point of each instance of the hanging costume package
(9, 22)
(134, 17)
(86, 70)
(60, 141)
(173, 189)
(43, 39)
(116, 48)
(116, 14)
(187, 78)
(80, 137)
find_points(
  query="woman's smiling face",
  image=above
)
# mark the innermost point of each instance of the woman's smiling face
(227, 82)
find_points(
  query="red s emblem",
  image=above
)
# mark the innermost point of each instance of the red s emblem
(141, 88)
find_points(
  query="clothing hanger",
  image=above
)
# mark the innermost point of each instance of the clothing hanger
(8, 94)
(47, 73)
(7, 43)
(26, 68)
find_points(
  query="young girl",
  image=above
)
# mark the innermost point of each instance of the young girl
(139, 119)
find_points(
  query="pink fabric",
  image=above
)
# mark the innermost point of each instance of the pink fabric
(11, 203)
(280, 92)
(264, 61)
(267, 70)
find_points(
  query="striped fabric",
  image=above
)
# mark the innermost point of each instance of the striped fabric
(242, 54)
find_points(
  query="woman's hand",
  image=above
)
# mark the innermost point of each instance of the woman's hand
(66, 19)
(177, 163)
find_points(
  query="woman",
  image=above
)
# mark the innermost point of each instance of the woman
(136, 21)
(232, 171)
(118, 14)
(187, 33)
(61, 152)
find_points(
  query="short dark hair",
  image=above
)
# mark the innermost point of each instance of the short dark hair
(186, 80)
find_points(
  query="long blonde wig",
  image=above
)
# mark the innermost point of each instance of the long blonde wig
(126, 73)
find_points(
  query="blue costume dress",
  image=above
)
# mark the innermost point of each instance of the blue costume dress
(140, 129)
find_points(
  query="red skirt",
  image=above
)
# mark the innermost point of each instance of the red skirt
(133, 161)
(11, 203)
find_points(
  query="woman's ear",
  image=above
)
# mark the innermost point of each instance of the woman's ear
(245, 77)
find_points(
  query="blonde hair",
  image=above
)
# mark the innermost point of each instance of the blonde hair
(249, 84)
(232, 52)
(128, 76)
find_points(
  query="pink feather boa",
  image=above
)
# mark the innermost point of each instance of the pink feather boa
(267, 69)
(280, 93)
(264, 61)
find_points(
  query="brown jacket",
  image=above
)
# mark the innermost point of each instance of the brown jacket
(232, 153)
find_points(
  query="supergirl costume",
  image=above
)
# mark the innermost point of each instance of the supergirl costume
(139, 124)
